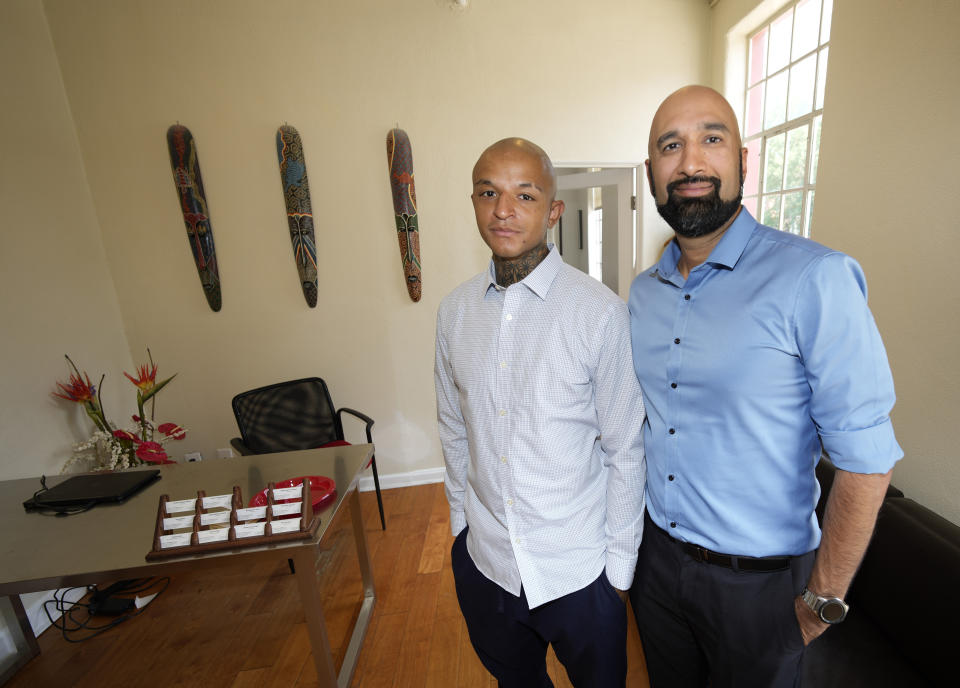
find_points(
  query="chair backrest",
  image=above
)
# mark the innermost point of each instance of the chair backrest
(287, 416)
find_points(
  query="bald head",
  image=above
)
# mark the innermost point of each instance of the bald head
(698, 103)
(515, 148)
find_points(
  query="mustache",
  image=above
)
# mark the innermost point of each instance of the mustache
(701, 179)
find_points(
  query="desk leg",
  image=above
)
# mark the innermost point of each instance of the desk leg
(369, 596)
(15, 618)
(305, 560)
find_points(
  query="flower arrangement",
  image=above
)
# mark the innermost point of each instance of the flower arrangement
(112, 448)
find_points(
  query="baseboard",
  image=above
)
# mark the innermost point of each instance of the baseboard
(424, 476)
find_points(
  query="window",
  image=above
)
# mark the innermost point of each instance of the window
(783, 114)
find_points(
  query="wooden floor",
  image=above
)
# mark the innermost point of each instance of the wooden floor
(237, 627)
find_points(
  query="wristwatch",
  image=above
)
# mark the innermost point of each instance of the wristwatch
(831, 610)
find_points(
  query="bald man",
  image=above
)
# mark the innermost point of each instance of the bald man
(540, 419)
(755, 349)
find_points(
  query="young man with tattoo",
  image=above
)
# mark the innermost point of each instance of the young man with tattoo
(540, 419)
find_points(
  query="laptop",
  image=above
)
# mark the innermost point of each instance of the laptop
(84, 491)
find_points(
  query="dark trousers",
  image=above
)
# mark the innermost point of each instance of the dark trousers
(700, 622)
(588, 629)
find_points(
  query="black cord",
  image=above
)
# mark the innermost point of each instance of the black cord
(71, 619)
(57, 510)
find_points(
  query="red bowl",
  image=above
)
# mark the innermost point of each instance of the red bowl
(322, 492)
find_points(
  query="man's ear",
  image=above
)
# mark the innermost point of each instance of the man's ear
(743, 165)
(556, 210)
(653, 190)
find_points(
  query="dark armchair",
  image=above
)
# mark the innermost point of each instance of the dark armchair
(294, 415)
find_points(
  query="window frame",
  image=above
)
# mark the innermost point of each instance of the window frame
(820, 51)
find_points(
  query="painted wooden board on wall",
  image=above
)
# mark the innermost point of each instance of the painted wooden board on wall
(193, 204)
(296, 195)
(400, 160)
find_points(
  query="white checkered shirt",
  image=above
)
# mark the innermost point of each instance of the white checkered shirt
(540, 418)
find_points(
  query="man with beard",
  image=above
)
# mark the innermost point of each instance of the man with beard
(540, 419)
(755, 348)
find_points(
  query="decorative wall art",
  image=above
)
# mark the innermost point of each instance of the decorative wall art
(296, 195)
(193, 203)
(400, 159)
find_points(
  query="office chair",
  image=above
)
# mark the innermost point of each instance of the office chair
(294, 415)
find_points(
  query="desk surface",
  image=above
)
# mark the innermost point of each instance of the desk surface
(41, 552)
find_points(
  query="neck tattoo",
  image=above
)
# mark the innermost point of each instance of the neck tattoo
(512, 270)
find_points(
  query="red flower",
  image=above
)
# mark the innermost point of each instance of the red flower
(78, 389)
(125, 435)
(146, 378)
(152, 452)
(172, 430)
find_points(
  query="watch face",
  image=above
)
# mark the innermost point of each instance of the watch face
(832, 611)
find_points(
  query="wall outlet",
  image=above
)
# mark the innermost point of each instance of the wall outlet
(193, 456)
(225, 453)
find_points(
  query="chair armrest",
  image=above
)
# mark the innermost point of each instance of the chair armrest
(362, 416)
(238, 444)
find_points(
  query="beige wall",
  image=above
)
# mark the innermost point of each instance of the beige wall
(343, 74)
(886, 195)
(58, 293)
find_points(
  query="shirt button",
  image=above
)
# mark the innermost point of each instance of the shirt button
(503, 364)
(509, 317)
(672, 431)
(686, 297)
(677, 340)
(503, 412)
(673, 385)
(670, 477)
(673, 524)
(503, 459)
(509, 502)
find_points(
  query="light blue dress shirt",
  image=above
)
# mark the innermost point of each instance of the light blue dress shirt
(540, 418)
(766, 350)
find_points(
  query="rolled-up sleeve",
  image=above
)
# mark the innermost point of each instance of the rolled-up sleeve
(846, 367)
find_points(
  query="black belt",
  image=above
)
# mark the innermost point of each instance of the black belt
(728, 561)
(732, 562)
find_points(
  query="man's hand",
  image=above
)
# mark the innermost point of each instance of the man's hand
(810, 626)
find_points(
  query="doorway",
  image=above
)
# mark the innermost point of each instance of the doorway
(599, 232)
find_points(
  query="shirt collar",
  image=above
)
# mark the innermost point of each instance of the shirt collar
(538, 281)
(725, 254)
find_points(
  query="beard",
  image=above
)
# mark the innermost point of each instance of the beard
(695, 217)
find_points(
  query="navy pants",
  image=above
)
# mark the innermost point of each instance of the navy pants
(588, 629)
(700, 622)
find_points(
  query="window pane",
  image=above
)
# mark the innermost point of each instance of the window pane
(796, 168)
(809, 215)
(793, 212)
(752, 182)
(822, 76)
(771, 211)
(806, 28)
(802, 77)
(773, 163)
(779, 46)
(751, 205)
(755, 109)
(758, 56)
(827, 18)
(776, 106)
(815, 149)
